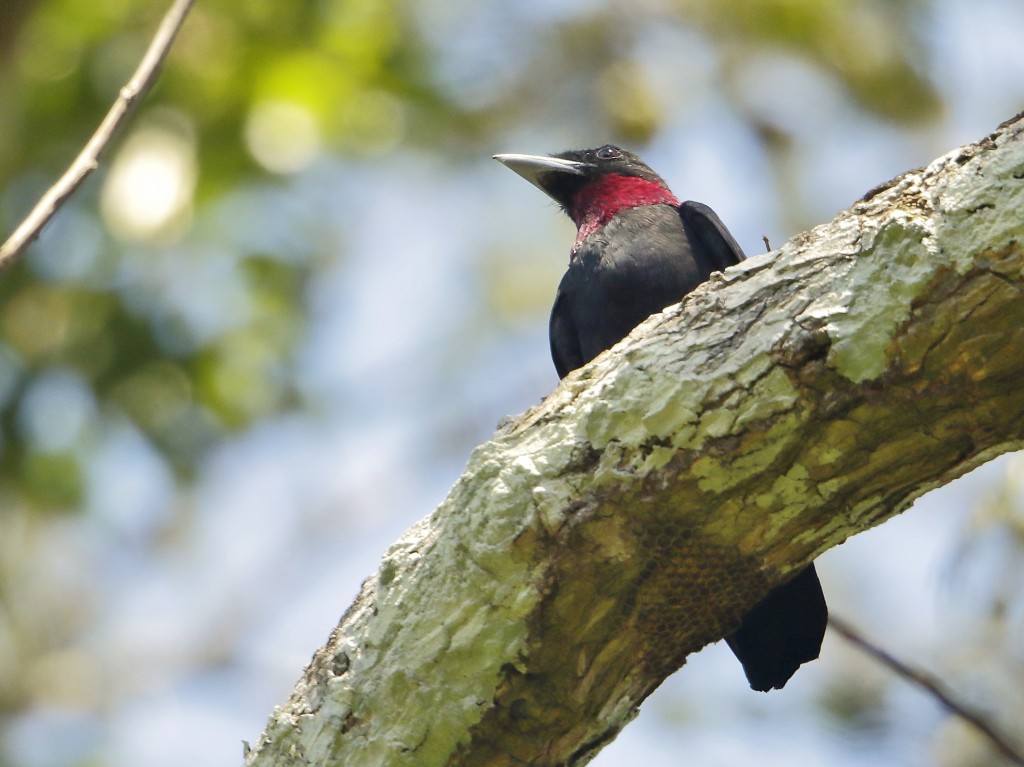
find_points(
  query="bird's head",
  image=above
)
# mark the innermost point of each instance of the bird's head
(592, 185)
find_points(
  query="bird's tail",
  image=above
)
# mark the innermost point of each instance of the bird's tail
(781, 632)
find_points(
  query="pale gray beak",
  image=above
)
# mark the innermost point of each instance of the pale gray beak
(533, 167)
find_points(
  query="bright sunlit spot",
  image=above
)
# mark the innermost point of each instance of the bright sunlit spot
(282, 136)
(150, 185)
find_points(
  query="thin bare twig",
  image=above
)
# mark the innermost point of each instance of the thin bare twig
(930, 685)
(88, 159)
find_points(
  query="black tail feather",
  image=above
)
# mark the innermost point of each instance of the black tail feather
(781, 632)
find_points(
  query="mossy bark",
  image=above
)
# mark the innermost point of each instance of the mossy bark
(659, 492)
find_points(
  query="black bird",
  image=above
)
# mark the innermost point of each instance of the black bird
(637, 251)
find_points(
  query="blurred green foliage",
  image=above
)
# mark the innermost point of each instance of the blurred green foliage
(351, 66)
(866, 46)
(257, 88)
(173, 293)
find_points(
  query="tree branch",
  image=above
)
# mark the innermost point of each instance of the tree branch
(663, 489)
(931, 686)
(88, 159)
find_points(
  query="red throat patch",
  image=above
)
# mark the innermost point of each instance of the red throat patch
(596, 203)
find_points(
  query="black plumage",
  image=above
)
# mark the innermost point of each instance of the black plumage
(638, 250)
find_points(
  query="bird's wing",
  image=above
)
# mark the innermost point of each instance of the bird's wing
(564, 338)
(714, 247)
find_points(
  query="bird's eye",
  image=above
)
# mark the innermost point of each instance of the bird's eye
(608, 153)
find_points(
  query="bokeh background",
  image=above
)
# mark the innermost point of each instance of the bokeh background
(264, 338)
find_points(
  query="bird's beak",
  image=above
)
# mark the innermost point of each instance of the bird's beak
(534, 167)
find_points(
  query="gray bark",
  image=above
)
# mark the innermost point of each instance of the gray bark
(659, 492)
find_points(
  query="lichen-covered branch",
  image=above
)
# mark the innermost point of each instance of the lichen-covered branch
(659, 492)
